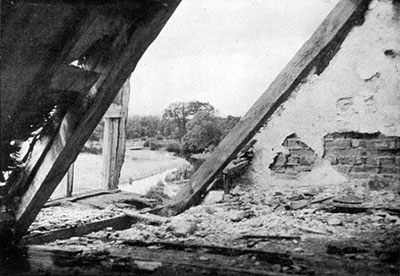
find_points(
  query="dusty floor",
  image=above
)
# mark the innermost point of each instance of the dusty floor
(316, 233)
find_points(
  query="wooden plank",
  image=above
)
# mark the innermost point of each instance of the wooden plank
(117, 223)
(70, 140)
(109, 153)
(272, 257)
(27, 49)
(325, 40)
(72, 78)
(90, 29)
(114, 138)
(106, 198)
(125, 95)
(233, 169)
(92, 194)
(127, 260)
(146, 218)
(121, 199)
(43, 145)
(269, 237)
(70, 181)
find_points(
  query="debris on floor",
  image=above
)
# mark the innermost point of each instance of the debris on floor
(319, 232)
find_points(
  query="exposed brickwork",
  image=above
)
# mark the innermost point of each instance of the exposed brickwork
(373, 159)
(299, 159)
(370, 159)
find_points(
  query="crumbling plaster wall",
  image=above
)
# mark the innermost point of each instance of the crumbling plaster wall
(359, 91)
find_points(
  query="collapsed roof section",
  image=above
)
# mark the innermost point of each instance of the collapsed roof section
(313, 57)
(62, 64)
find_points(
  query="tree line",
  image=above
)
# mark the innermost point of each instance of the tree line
(194, 125)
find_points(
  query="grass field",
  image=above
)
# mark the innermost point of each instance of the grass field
(139, 164)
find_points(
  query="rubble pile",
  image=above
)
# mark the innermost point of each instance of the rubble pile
(301, 222)
(320, 225)
(70, 215)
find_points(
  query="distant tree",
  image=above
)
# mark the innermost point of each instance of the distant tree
(227, 124)
(180, 113)
(202, 132)
(169, 129)
(143, 126)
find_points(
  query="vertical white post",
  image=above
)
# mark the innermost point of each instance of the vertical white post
(114, 138)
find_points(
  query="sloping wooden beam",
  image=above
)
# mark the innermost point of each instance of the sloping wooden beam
(92, 27)
(70, 139)
(117, 223)
(315, 53)
(72, 78)
(27, 47)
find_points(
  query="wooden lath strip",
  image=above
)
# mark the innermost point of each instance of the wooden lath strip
(117, 223)
(329, 34)
(69, 142)
(71, 78)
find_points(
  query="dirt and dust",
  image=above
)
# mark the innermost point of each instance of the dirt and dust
(321, 232)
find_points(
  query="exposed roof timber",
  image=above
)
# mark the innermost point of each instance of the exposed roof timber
(90, 31)
(315, 53)
(72, 78)
(128, 8)
(34, 34)
(69, 140)
(117, 223)
(27, 50)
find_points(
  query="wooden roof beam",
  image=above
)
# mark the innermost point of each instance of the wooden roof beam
(68, 143)
(92, 28)
(72, 78)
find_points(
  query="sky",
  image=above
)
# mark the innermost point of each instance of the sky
(225, 52)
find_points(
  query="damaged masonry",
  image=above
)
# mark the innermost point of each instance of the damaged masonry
(307, 182)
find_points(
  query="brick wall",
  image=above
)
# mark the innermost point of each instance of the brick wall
(373, 159)
(369, 159)
(299, 159)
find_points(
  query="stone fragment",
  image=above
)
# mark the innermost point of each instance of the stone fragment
(349, 199)
(180, 227)
(276, 267)
(296, 268)
(334, 221)
(299, 204)
(279, 208)
(149, 266)
(236, 216)
(298, 250)
(376, 218)
(209, 210)
(213, 197)
(240, 215)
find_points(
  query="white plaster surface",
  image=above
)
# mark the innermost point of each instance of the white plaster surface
(358, 91)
